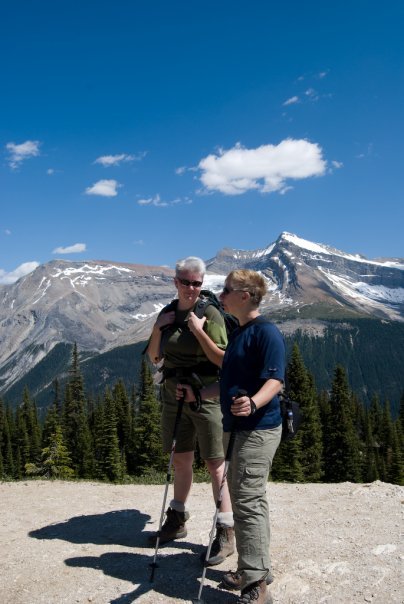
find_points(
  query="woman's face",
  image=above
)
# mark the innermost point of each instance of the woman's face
(230, 297)
(188, 285)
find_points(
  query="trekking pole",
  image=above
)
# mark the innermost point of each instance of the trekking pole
(219, 499)
(154, 564)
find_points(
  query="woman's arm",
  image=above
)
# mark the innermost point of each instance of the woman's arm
(212, 351)
(242, 405)
(153, 348)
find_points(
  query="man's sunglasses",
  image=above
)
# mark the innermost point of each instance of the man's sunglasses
(187, 282)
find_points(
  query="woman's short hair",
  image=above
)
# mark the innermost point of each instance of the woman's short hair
(249, 281)
(193, 264)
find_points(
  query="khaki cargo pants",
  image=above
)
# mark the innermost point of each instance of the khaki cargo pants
(247, 478)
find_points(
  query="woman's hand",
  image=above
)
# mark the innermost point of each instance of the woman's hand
(241, 406)
(166, 318)
(185, 389)
(195, 324)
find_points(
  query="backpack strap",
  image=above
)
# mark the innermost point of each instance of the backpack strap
(169, 307)
(201, 306)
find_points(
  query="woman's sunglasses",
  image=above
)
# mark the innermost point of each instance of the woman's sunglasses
(187, 282)
(226, 290)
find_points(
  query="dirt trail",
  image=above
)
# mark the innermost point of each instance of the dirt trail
(69, 542)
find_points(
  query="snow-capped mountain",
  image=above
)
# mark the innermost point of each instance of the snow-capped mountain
(100, 305)
(103, 305)
(303, 274)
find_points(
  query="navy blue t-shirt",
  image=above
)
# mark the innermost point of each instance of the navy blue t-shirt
(255, 354)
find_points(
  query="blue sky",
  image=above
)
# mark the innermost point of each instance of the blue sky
(142, 131)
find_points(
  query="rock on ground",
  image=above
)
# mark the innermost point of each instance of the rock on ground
(81, 542)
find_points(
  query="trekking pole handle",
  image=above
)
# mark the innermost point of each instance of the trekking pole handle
(240, 392)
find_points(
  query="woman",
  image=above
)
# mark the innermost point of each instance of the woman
(254, 362)
(192, 350)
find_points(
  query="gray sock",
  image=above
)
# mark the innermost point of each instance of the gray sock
(225, 519)
(176, 505)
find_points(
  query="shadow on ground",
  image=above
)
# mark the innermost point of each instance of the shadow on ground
(177, 575)
(122, 527)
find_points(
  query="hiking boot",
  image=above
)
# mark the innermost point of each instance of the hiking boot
(222, 546)
(255, 593)
(173, 527)
(232, 580)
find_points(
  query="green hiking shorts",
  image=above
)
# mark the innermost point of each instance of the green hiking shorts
(204, 425)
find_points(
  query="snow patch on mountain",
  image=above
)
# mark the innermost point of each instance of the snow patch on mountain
(214, 283)
(364, 291)
(324, 249)
(86, 269)
(303, 243)
(264, 252)
(144, 317)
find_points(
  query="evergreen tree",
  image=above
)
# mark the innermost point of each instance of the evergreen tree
(113, 466)
(98, 430)
(301, 389)
(375, 417)
(52, 421)
(2, 430)
(325, 416)
(395, 471)
(125, 424)
(75, 422)
(56, 397)
(148, 449)
(387, 436)
(30, 415)
(21, 444)
(401, 413)
(342, 444)
(370, 470)
(56, 462)
(19, 466)
(286, 466)
(8, 454)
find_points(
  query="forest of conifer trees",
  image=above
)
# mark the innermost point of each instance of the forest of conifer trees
(116, 438)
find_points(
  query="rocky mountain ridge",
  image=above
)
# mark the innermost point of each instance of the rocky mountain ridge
(302, 273)
(103, 305)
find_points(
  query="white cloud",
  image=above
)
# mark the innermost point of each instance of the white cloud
(20, 271)
(18, 153)
(180, 170)
(158, 202)
(77, 248)
(292, 101)
(105, 188)
(265, 169)
(310, 92)
(50, 171)
(153, 201)
(115, 160)
(7, 232)
(337, 164)
(367, 153)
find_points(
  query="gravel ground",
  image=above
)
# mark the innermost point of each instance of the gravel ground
(69, 542)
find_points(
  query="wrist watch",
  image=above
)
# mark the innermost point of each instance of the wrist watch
(253, 406)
